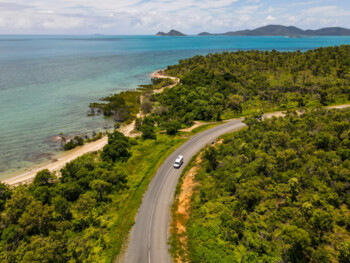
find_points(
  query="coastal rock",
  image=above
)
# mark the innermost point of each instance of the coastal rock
(55, 138)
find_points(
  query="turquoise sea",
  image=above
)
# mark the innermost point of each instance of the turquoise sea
(47, 82)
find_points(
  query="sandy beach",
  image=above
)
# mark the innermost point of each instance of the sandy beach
(69, 156)
(60, 163)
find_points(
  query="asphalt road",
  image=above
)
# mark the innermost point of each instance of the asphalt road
(149, 236)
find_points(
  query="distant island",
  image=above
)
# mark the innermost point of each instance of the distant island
(171, 33)
(271, 30)
(278, 30)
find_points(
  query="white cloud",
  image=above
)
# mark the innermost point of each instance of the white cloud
(149, 16)
(136, 14)
(292, 19)
(270, 18)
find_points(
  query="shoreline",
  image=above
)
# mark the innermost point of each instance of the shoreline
(60, 163)
(66, 157)
(71, 155)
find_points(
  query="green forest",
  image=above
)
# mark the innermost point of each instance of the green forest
(227, 85)
(276, 191)
(85, 214)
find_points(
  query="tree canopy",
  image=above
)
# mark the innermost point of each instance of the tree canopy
(232, 84)
(278, 192)
(60, 219)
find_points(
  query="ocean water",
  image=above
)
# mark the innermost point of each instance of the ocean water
(47, 82)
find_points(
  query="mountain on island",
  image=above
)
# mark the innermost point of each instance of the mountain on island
(171, 33)
(278, 30)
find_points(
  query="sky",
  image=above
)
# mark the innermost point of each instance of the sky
(144, 17)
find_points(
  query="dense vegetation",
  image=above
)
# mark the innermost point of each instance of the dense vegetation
(277, 191)
(123, 106)
(84, 215)
(73, 143)
(232, 84)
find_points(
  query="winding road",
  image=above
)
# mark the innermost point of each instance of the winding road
(149, 236)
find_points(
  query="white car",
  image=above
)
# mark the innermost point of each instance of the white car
(179, 161)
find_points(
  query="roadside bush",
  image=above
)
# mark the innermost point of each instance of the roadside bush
(117, 147)
(148, 132)
(172, 127)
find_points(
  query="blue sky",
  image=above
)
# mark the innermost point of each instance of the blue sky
(151, 16)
